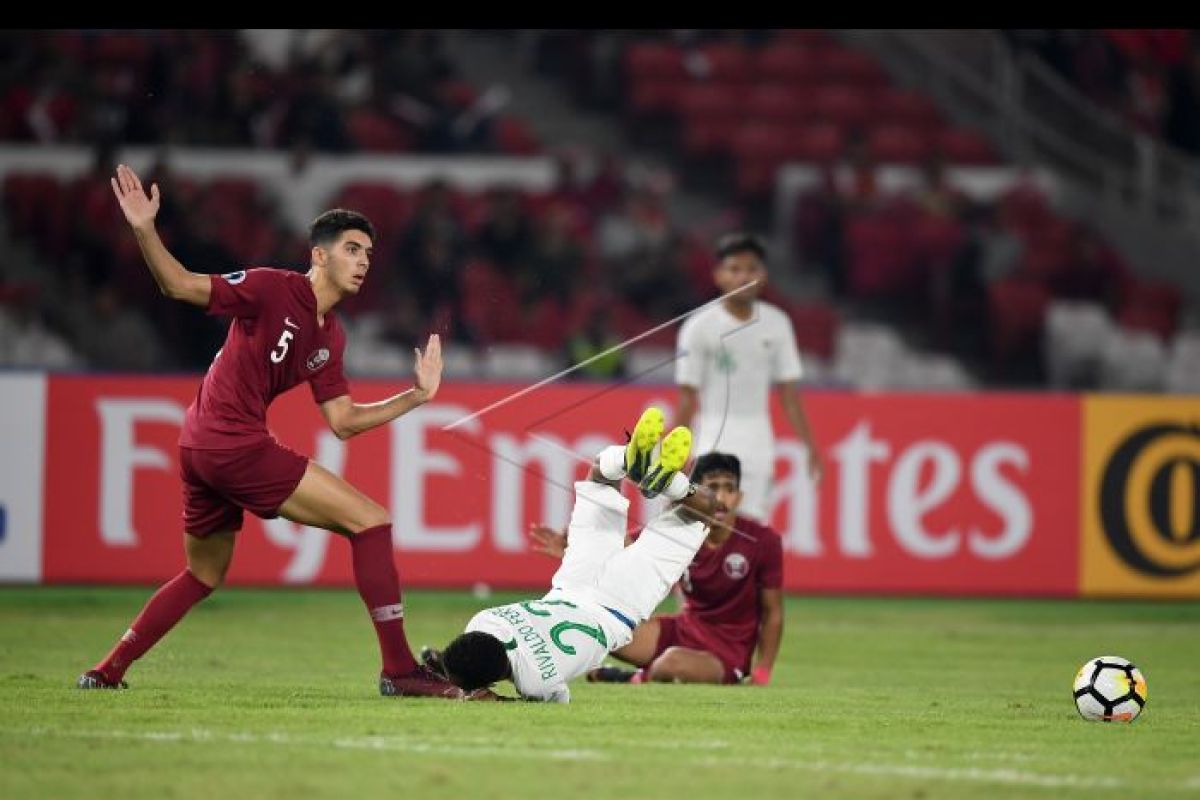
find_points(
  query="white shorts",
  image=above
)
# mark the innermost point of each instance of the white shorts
(634, 580)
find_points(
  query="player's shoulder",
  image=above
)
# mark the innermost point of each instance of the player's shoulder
(701, 320)
(771, 313)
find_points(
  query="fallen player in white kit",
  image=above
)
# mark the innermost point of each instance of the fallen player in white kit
(603, 589)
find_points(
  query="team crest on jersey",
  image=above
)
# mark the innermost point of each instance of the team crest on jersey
(736, 566)
(318, 359)
(234, 278)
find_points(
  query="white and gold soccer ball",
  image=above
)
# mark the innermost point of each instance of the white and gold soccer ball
(1109, 689)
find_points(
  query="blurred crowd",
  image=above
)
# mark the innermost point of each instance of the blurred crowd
(329, 90)
(1150, 77)
(572, 270)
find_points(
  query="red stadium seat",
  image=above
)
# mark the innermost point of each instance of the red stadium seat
(654, 61)
(851, 67)
(958, 146)
(656, 96)
(722, 61)
(378, 133)
(703, 137)
(1152, 307)
(905, 107)
(775, 102)
(786, 63)
(880, 255)
(848, 106)
(816, 325)
(821, 142)
(1017, 309)
(898, 145)
(707, 100)
(513, 136)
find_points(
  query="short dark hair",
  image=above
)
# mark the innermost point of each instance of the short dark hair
(733, 243)
(326, 228)
(717, 462)
(475, 660)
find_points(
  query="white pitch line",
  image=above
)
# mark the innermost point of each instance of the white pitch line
(1017, 777)
(508, 399)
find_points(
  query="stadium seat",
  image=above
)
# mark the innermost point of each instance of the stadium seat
(816, 327)
(898, 144)
(1183, 364)
(775, 102)
(1076, 335)
(514, 136)
(867, 355)
(1151, 307)
(905, 107)
(819, 142)
(720, 61)
(704, 137)
(654, 61)
(879, 255)
(709, 100)
(656, 96)
(1016, 309)
(377, 133)
(1133, 361)
(967, 147)
(786, 63)
(839, 65)
(846, 106)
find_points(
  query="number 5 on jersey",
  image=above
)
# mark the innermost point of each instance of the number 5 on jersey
(281, 347)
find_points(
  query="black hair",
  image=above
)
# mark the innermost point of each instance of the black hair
(717, 462)
(326, 228)
(731, 244)
(475, 660)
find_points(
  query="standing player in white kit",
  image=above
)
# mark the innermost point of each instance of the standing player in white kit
(728, 356)
(603, 589)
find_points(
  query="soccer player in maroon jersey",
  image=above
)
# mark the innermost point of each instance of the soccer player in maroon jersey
(282, 334)
(733, 598)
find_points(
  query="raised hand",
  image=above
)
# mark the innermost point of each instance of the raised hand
(428, 368)
(548, 541)
(139, 210)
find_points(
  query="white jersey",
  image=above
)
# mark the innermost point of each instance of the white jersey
(732, 364)
(602, 591)
(549, 642)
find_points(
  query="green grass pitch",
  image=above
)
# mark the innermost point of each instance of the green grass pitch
(273, 694)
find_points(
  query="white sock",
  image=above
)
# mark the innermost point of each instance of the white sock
(612, 462)
(677, 489)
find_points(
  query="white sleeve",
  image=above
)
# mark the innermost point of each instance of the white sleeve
(689, 355)
(785, 361)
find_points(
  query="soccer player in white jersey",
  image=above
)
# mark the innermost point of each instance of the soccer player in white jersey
(603, 589)
(728, 357)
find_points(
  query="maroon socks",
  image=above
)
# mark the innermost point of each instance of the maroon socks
(379, 587)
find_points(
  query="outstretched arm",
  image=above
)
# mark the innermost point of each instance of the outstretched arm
(347, 418)
(174, 280)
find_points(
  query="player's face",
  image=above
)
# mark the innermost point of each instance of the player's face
(347, 260)
(725, 487)
(738, 270)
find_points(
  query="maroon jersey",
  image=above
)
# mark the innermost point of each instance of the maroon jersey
(274, 343)
(721, 587)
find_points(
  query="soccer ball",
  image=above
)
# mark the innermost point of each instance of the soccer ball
(1109, 688)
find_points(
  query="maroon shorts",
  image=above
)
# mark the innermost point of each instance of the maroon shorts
(218, 484)
(674, 631)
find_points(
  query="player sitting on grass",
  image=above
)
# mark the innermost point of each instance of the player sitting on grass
(603, 589)
(733, 600)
